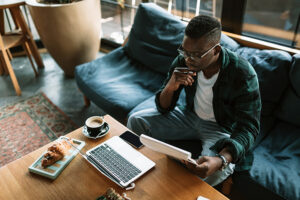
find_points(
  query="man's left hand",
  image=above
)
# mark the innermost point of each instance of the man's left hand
(207, 165)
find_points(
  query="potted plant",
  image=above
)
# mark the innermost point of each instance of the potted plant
(69, 29)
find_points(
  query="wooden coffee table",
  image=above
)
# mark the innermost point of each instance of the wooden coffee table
(80, 180)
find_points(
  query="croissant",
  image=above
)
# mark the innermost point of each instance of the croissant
(50, 158)
(55, 153)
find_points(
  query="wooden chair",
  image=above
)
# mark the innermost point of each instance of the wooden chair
(21, 36)
(9, 41)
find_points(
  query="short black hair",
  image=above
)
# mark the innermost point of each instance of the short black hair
(203, 25)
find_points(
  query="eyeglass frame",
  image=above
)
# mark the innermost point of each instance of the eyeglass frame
(185, 53)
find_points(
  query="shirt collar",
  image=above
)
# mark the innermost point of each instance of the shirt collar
(225, 58)
(225, 62)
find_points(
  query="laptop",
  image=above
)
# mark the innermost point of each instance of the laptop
(118, 161)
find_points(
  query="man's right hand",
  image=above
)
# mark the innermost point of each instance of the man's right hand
(180, 76)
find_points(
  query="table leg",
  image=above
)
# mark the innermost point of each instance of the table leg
(16, 11)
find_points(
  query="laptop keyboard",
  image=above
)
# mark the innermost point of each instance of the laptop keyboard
(115, 163)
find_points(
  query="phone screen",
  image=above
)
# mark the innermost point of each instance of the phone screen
(132, 139)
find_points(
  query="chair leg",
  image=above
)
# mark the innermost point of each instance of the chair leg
(87, 102)
(2, 27)
(227, 186)
(9, 54)
(28, 52)
(3, 65)
(11, 73)
(16, 12)
(1, 69)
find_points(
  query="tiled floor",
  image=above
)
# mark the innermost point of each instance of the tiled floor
(62, 91)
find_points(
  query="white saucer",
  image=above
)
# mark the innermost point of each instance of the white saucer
(101, 134)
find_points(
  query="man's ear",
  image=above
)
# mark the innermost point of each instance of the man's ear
(217, 50)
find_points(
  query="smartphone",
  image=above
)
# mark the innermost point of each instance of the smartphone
(132, 139)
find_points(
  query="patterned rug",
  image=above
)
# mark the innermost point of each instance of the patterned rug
(29, 124)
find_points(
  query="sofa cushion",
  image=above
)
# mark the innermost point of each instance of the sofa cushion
(277, 160)
(117, 84)
(276, 163)
(229, 43)
(155, 37)
(289, 109)
(272, 68)
(295, 74)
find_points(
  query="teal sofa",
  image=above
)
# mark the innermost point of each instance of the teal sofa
(126, 79)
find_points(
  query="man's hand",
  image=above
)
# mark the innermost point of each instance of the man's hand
(180, 76)
(207, 165)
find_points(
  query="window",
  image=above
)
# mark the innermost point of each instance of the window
(276, 21)
(117, 22)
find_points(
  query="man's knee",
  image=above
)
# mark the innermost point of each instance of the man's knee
(136, 124)
(131, 122)
(219, 176)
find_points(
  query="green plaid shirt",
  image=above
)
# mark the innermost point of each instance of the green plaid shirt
(236, 105)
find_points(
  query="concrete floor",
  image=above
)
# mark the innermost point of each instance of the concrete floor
(62, 91)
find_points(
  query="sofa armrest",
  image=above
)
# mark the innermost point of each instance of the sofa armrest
(259, 44)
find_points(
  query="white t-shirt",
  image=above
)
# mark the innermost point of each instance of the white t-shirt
(203, 97)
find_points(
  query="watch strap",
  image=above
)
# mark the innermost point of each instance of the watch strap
(224, 161)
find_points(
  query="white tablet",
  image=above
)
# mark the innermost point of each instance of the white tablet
(167, 149)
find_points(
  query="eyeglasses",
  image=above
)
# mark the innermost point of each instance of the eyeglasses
(194, 56)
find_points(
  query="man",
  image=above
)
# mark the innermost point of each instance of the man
(222, 103)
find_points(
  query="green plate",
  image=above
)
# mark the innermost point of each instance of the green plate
(54, 170)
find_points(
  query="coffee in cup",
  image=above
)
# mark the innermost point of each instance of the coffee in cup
(94, 125)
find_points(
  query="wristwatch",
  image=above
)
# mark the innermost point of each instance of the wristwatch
(224, 161)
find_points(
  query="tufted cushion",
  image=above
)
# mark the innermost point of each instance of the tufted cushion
(154, 37)
(229, 43)
(272, 67)
(295, 74)
(289, 109)
(117, 84)
(275, 170)
(277, 160)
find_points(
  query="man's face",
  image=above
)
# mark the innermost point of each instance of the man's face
(199, 54)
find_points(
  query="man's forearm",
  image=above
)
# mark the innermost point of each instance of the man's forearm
(165, 98)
